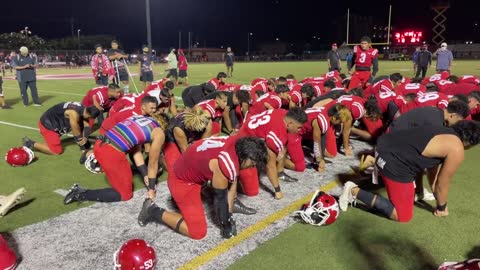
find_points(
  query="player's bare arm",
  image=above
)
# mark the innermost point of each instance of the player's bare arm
(317, 147)
(173, 106)
(97, 104)
(180, 139)
(226, 118)
(74, 118)
(272, 174)
(208, 130)
(347, 128)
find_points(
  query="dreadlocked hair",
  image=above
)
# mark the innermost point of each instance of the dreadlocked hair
(254, 149)
(372, 109)
(468, 131)
(162, 119)
(196, 120)
(340, 112)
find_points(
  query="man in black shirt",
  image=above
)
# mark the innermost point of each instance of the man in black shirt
(117, 57)
(229, 59)
(401, 155)
(59, 120)
(196, 93)
(333, 59)
(424, 60)
(25, 64)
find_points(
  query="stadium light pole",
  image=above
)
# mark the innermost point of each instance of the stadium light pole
(149, 28)
(78, 34)
(248, 43)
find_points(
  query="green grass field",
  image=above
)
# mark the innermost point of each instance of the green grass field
(358, 240)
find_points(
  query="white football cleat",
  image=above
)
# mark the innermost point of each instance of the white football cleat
(7, 202)
(346, 198)
(426, 196)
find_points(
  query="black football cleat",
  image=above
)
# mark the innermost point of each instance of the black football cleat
(75, 194)
(27, 142)
(143, 216)
(240, 208)
(287, 178)
(83, 157)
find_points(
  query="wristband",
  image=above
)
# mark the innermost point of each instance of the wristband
(277, 189)
(442, 207)
(152, 182)
(143, 170)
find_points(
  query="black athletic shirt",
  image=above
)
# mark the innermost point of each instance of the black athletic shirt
(426, 116)
(178, 122)
(400, 153)
(54, 118)
(334, 94)
(192, 95)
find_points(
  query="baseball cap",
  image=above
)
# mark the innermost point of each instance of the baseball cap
(444, 44)
(23, 49)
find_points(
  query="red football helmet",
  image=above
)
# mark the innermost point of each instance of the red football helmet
(19, 156)
(321, 210)
(473, 264)
(135, 254)
(8, 259)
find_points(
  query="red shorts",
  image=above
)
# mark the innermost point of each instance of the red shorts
(359, 79)
(187, 196)
(295, 151)
(374, 128)
(51, 138)
(116, 167)
(172, 154)
(331, 141)
(215, 127)
(402, 196)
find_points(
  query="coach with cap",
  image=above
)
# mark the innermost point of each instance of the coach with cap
(333, 58)
(444, 58)
(25, 64)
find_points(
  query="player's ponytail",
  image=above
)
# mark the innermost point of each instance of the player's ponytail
(372, 110)
(162, 119)
(340, 112)
(196, 120)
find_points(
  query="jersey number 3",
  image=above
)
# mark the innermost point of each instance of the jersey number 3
(259, 119)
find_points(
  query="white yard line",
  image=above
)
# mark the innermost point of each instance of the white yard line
(16, 125)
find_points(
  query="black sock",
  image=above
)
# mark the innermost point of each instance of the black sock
(102, 195)
(365, 197)
(156, 213)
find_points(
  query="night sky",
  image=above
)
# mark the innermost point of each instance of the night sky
(216, 23)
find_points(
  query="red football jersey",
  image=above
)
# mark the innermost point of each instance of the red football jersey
(383, 99)
(127, 101)
(291, 83)
(408, 88)
(364, 58)
(156, 85)
(201, 152)
(436, 77)
(215, 82)
(259, 80)
(406, 80)
(251, 89)
(268, 125)
(382, 87)
(469, 79)
(100, 94)
(296, 94)
(445, 87)
(431, 99)
(464, 88)
(259, 105)
(313, 79)
(228, 87)
(118, 117)
(323, 120)
(210, 106)
(354, 104)
(335, 76)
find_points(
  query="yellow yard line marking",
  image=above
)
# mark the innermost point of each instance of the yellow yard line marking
(252, 230)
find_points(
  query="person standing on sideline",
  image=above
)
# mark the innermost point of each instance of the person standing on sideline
(172, 65)
(423, 61)
(25, 64)
(101, 68)
(229, 59)
(3, 105)
(414, 59)
(333, 59)
(182, 67)
(146, 65)
(118, 56)
(444, 58)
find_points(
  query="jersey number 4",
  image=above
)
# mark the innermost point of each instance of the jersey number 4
(210, 143)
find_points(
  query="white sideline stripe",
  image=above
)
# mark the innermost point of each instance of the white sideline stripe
(54, 92)
(61, 192)
(20, 126)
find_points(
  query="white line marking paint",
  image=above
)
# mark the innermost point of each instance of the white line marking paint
(20, 126)
(61, 192)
